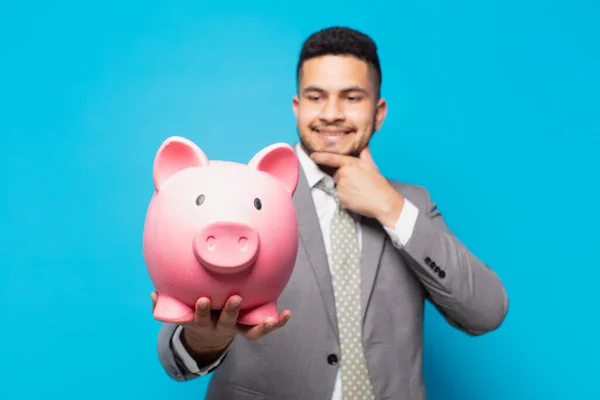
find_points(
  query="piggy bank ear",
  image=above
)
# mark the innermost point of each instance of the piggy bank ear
(176, 153)
(281, 161)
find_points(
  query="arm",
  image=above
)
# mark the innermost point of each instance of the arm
(463, 289)
(178, 361)
(187, 352)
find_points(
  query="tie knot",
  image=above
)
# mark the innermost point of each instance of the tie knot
(332, 191)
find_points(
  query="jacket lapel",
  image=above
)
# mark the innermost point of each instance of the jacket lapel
(311, 239)
(373, 239)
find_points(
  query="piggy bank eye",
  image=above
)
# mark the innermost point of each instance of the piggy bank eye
(200, 200)
(257, 203)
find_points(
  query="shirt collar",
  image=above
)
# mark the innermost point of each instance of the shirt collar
(312, 171)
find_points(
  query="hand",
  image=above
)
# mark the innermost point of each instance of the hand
(212, 332)
(361, 187)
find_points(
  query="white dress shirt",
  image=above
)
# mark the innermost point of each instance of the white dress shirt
(325, 206)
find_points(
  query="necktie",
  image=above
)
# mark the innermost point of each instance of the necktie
(346, 287)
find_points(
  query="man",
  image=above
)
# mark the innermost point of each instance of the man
(372, 251)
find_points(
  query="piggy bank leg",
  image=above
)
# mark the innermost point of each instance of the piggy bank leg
(171, 310)
(257, 315)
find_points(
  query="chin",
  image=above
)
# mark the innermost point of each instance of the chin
(340, 145)
(328, 148)
(348, 149)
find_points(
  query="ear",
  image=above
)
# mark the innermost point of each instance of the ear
(175, 154)
(380, 113)
(295, 105)
(279, 160)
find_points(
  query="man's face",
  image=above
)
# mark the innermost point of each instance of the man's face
(337, 107)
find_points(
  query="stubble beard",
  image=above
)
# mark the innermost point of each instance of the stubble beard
(354, 150)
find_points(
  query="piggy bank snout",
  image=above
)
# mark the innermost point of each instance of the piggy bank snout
(226, 247)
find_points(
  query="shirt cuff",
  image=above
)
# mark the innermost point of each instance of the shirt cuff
(405, 225)
(187, 359)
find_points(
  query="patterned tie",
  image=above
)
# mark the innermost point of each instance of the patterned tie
(346, 287)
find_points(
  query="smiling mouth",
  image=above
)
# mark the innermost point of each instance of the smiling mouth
(332, 132)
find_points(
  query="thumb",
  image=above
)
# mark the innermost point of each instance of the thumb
(365, 155)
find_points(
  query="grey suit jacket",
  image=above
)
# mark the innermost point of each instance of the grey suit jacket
(298, 362)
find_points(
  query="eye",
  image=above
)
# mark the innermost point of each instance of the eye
(257, 204)
(200, 200)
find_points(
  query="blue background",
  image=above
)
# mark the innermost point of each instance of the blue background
(494, 107)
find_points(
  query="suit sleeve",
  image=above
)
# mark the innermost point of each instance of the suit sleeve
(175, 360)
(466, 291)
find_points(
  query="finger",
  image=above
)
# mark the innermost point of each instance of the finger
(284, 317)
(230, 313)
(258, 331)
(202, 312)
(343, 171)
(154, 296)
(365, 155)
(338, 175)
(268, 326)
(331, 159)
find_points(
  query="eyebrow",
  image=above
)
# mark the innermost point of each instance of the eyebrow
(345, 90)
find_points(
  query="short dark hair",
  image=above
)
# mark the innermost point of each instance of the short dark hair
(340, 41)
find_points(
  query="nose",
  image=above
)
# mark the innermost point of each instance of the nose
(331, 111)
(226, 247)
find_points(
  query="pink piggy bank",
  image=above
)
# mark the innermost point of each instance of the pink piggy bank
(218, 228)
